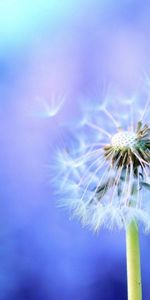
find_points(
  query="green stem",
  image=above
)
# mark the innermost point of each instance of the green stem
(133, 262)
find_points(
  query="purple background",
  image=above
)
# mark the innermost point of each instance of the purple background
(50, 50)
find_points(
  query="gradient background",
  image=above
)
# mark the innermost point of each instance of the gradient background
(51, 50)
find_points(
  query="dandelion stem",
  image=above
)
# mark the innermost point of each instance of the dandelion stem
(133, 262)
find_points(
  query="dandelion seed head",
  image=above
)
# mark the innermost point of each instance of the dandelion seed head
(123, 140)
(106, 174)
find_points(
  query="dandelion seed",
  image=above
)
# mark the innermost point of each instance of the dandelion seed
(48, 108)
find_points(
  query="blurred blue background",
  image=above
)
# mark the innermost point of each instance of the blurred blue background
(54, 54)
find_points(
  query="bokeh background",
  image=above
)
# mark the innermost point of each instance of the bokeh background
(53, 56)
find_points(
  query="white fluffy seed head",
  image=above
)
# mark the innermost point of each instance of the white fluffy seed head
(123, 140)
(107, 183)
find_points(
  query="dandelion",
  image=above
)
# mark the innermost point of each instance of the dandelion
(105, 176)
